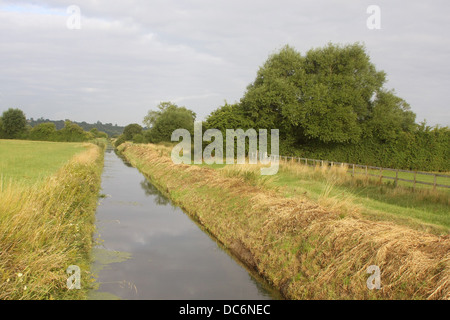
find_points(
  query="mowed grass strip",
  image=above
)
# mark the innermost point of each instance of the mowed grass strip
(29, 162)
(47, 226)
(423, 209)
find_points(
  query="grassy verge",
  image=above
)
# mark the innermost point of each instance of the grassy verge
(47, 226)
(306, 249)
(422, 209)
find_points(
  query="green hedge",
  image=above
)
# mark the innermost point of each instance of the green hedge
(426, 149)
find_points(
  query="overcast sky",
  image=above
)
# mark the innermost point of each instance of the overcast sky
(128, 56)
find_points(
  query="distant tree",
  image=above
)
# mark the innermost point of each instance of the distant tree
(13, 123)
(2, 133)
(131, 130)
(150, 118)
(107, 128)
(72, 133)
(43, 131)
(94, 131)
(97, 133)
(168, 118)
(228, 117)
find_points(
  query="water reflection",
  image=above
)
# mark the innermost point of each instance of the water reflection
(170, 257)
(158, 197)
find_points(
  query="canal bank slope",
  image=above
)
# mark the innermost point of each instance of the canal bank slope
(303, 249)
(47, 227)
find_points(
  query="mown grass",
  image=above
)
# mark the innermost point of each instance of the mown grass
(29, 162)
(306, 248)
(421, 208)
(47, 226)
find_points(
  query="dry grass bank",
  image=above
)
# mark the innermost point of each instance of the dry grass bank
(304, 249)
(47, 227)
(421, 209)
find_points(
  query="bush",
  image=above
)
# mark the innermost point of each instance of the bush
(131, 130)
(120, 140)
(138, 138)
(13, 123)
(43, 132)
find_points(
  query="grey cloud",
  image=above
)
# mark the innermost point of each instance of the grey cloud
(129, 55)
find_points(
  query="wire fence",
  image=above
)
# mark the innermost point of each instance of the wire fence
(434, 180)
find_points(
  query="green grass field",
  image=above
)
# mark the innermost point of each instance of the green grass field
(29, 162)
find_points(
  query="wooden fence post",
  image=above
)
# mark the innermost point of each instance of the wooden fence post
(381, 174)
(415, 175)
(396, 177)
(353, 170)
(435, 182)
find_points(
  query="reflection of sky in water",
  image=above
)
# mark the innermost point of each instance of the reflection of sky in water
(171, 258)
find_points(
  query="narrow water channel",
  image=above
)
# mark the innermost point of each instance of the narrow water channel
(149, 249)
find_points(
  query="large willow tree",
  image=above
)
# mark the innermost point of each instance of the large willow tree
(332, 94)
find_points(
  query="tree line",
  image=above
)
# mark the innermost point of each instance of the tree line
(330, 103)
(14, 125)
(112, 130)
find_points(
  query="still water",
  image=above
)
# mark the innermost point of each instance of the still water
(150, 249)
